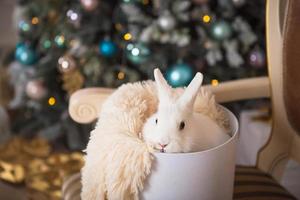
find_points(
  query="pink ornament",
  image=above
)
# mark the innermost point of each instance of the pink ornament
(89, 5)
(35, 89)
(257, 58)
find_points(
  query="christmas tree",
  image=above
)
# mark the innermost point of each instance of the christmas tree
(65, 45)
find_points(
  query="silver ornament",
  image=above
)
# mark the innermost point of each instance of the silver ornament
(89, 5)
(66, 63)
(36, 90)
(20, 76)
(166, 22)
(214, 53)
(147, 33)
(238, 3)
(232, 55)
(74, 17)
(245, 33)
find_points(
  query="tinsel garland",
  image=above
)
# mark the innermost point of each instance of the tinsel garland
(33, 164)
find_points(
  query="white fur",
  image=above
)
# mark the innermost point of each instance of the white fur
(200, 132)
(117, 161)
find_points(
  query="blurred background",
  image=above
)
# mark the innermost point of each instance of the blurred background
(49, 49)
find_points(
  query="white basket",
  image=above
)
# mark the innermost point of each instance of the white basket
(205, 175)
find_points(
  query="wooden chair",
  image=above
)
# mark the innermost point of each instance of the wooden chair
(282, 86)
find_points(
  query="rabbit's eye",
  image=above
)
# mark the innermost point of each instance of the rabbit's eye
(156, 120)
(182, 125)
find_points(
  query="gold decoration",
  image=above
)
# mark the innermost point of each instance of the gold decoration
(53, 16)
(37, 147)
(145, 2)
(31, 162)
(13, 173)
(73, 81)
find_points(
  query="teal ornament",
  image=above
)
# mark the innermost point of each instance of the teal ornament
(107, 48)
(47, 44)
(221, 30)
(24, 26)
(25, 54)
(60, 41)
(179, 75)
(137, 53)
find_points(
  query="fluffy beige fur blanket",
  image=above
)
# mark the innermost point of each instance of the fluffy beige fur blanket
(117, 160)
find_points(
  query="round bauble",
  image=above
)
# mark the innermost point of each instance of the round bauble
(66, 64)
(221, 30)
(238, 3)
(107, 48)
(36, 90)
(74, 17)
(257, 58)
(60, 41)
(25, 54)
(89, 5)
(166, 22)
(24, 26)
(137, 53)
(46, 44)
(179, 75)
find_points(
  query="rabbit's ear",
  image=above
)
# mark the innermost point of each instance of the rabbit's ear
(190, 93)
(163, 88)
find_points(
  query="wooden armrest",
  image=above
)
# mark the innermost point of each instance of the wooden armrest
(85, 104)
(242, 89)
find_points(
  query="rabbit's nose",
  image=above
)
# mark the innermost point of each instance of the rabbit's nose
(163, 145)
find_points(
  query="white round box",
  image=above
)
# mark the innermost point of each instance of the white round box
(205, 175)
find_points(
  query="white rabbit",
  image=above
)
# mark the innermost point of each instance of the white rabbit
(175, 127)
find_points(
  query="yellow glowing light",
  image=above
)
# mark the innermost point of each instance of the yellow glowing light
(127, 36)
(51, 101)
(206, 18)
(35, 20)
(214, 82)
(121, 75)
